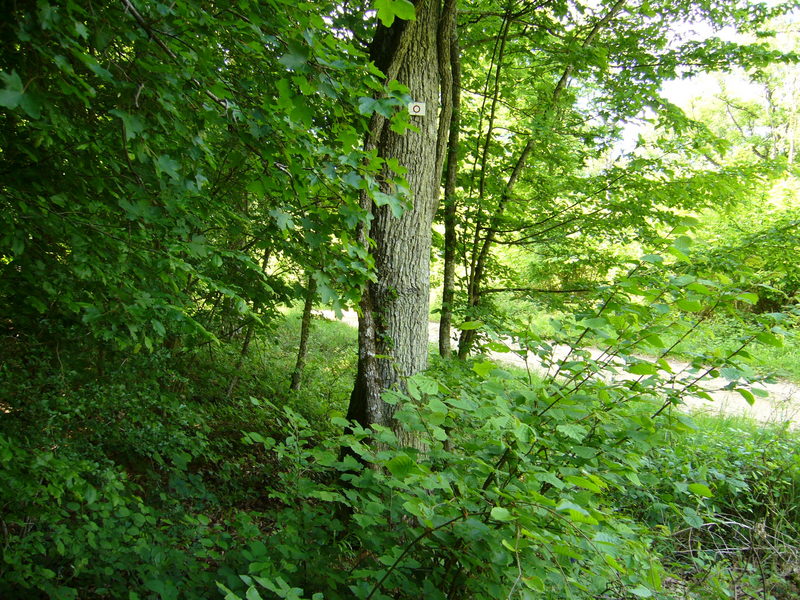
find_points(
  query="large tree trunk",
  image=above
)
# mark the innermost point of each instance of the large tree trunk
(393, 325)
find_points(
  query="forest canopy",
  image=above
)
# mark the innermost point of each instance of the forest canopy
(177, 177)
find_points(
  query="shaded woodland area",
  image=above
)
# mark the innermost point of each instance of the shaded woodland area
(182, 185)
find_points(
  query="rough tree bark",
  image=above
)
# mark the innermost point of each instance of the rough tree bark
(393, 324)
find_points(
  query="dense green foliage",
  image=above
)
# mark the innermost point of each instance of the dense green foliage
(172, 177)
(159, 487)
(145, 169)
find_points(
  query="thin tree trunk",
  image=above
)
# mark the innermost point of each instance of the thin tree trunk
(245, 346)
(305, 331)
(468, 336)
(481, 248)
(393, 326)
(450, 239)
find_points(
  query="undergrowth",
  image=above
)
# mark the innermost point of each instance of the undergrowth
(160, 480)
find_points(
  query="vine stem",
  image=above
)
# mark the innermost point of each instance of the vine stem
(426, 532)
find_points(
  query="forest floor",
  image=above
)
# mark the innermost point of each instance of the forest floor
(782, 403)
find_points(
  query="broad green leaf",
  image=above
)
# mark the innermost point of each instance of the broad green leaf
(576, 432)
(701, 490)
(681, 256)
(168, 165)
(571, 506)
(614, 563)
(326, 496)
(567, 551)
(747, 395)
(683, 280)
(748, 297)
(392, 200)
(469, 325)
(401, 466)
(691, 517)
(642, 368)
(683, 243)
(534, 582)
(583, 482)
(293, 60)
(699, 288)
(252, 594)
(769, 339)
(389, 9)
(132, 123)
(497, 347)
(366, 106)
(484, 368)
(689, 305)
(11, 95)
(498, 513)
(641, 591)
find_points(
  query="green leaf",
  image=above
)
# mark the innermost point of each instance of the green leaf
(642, 368)
(699, 288)
(401, 466)
(679, 255)
(683, 243)
(292, 60)
(534, 583)
(469, 325)
(498, 347)
(499, 513)
(158, 326)
(133, 124)
(389, 9)
(325, 496)
(392, 200)
(701, 490)
(769, 339)
(567, 551)
(683, 280)
(614, 563)
(366, 105)
(689, 305)
(282, 218)
(748, 297)
(747, 395)
(90, 495)
(691, 517)
(583, 482)
(11, 96)
(168, 165)
(252, 594)
(484, 368)
(595, 323)
(576, 432)
(641, 592)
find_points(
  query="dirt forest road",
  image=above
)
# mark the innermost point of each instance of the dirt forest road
(782, 404)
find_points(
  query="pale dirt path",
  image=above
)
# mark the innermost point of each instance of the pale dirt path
(782, 404)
